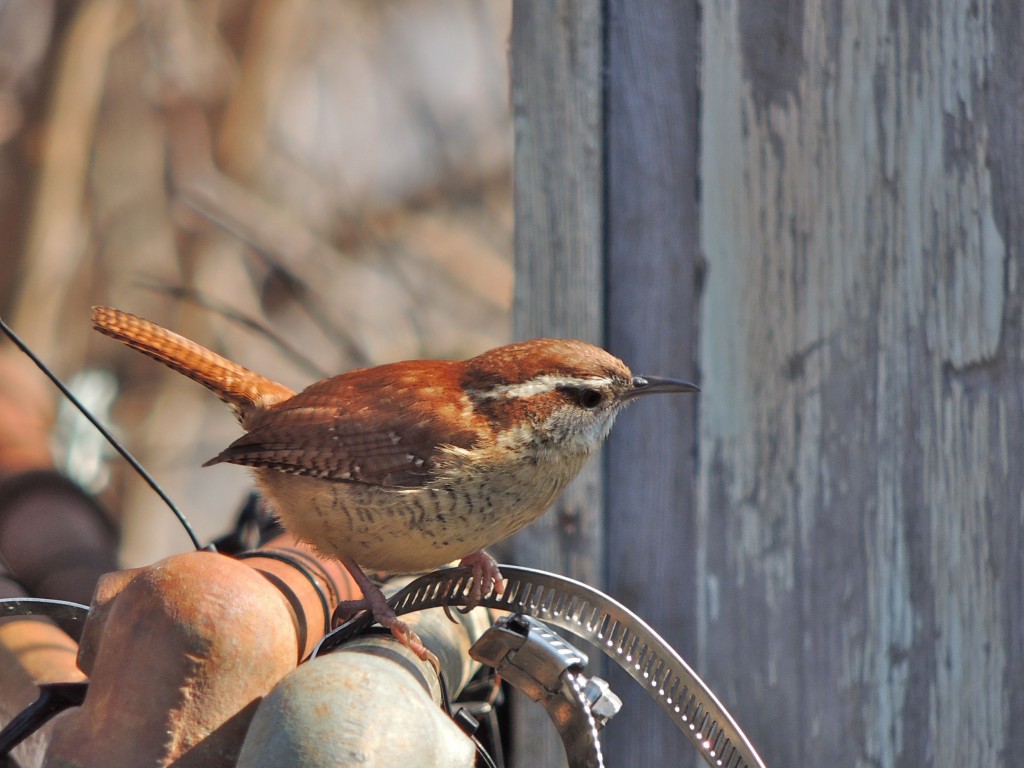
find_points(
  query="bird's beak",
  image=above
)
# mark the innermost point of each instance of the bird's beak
(652, 385)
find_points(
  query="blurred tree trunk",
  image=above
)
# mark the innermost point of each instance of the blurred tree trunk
(860, 494)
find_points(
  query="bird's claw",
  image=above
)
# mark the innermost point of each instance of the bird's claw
(376, 603)
(487, 579)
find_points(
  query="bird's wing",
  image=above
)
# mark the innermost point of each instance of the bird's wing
(391, 439)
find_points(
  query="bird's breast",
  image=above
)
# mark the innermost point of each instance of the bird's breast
(416, 529)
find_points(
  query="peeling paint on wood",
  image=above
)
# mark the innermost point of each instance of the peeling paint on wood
(859, 499)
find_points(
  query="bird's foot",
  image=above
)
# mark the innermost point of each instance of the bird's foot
(347, 609)
(487, 579)
(376, 603)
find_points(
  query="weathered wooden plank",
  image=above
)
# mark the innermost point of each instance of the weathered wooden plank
(652, 249)
(859, 499)
(556, 56)
(556, 62)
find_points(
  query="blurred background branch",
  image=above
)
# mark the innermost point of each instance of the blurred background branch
(329, 181)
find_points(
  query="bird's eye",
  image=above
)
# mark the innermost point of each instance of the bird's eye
(588, 397)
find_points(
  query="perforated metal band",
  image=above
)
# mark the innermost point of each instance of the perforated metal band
(605, 623)
(58, 610)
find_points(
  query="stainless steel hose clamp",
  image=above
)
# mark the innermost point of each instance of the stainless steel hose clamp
(605, 623)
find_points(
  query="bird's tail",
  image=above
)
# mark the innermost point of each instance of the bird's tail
(243, 390)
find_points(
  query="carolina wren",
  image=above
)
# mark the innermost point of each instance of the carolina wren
(408, 466)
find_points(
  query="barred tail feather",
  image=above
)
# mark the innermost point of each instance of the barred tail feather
(243, 390)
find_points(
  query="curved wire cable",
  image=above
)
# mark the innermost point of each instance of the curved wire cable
(132, 461)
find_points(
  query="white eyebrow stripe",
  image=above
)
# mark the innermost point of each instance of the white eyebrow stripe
(542, 384)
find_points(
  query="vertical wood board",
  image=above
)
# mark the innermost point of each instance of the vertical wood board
(859, 499)
(556, 100)
(652, 252)
(556, 52)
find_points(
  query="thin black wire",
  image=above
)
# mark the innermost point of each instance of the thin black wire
(103, 431)
(446, 705)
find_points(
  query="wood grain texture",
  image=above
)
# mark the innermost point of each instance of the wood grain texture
(859, 495)
(556, 58)
(556, 75)
(652, 251)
